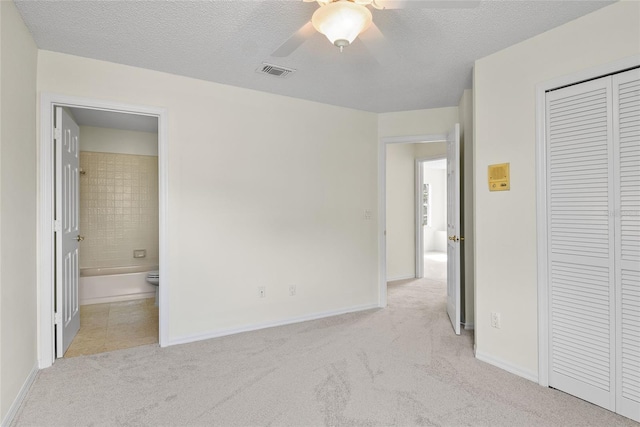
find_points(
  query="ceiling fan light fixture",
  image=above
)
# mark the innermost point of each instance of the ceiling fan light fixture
(341, 21)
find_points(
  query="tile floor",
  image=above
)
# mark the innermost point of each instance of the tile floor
(114, 326)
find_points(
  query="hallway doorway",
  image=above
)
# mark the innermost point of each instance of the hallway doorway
(431, 218)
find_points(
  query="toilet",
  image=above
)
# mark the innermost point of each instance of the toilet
(153, 277)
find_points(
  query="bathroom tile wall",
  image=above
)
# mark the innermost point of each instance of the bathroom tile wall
(118, 209)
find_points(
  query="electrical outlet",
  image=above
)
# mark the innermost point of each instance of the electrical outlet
(262, 291)
(495, 320)
(292, 290)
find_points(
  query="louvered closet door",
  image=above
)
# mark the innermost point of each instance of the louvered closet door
(626, 122)
(581, 241)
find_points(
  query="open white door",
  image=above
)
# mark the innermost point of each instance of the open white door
(453, 227)
(67, 230)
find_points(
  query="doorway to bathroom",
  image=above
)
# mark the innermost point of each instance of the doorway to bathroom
(103, 183)
(118, 231)
(431, 218)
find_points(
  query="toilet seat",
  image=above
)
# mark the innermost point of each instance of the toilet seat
(153, 277)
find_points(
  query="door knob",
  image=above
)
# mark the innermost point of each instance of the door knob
(80, 238)
(452, 238)
(456, 238)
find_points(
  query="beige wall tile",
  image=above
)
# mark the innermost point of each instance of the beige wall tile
(118, 209)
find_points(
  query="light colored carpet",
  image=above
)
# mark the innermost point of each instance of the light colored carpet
(398, 366)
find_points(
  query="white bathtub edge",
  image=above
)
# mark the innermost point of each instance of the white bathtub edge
(114, 288)
(120, 298)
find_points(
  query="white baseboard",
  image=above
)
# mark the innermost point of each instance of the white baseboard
(258, 326)
(393, 279)
(13, 409)
(507, 366)
(468, 326)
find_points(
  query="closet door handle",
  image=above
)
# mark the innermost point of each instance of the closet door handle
(80, 238)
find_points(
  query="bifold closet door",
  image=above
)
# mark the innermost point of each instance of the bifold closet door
(626, 122)
(581, 241)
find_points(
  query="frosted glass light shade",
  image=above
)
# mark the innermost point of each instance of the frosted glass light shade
(341, 21)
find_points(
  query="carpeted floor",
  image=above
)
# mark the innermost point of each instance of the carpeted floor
(398, 366)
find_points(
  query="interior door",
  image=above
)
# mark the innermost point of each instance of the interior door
(67, 230)
(581, 236)
(626, 129)
(453, 227)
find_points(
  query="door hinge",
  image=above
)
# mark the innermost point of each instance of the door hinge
(57, 318)
(57, 134)
(57, 226)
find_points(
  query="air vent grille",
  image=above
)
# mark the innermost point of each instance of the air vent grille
(274, 70)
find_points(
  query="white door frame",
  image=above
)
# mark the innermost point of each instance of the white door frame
(418, 215)
(382, 202)
(46, 250)
(541, 196)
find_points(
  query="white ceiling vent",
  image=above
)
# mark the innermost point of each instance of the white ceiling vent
(274, 70)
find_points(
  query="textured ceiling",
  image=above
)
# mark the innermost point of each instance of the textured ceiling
(424, 60)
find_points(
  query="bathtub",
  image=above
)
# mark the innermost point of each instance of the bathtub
(113, 284)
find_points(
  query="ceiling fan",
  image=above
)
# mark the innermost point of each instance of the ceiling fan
(341, 21)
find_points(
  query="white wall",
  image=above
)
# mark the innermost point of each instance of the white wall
(505, 88)
(261, 193)
(400, 212)
(107, 140)
(400, 163)
(417, 122)
(18, 328)
(434, 239)
(430, 150)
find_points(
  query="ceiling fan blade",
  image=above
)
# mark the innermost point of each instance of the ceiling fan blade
(426, 4)
(294, 41)
(377, 44)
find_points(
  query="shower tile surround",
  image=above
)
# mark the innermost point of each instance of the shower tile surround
(118, 209)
